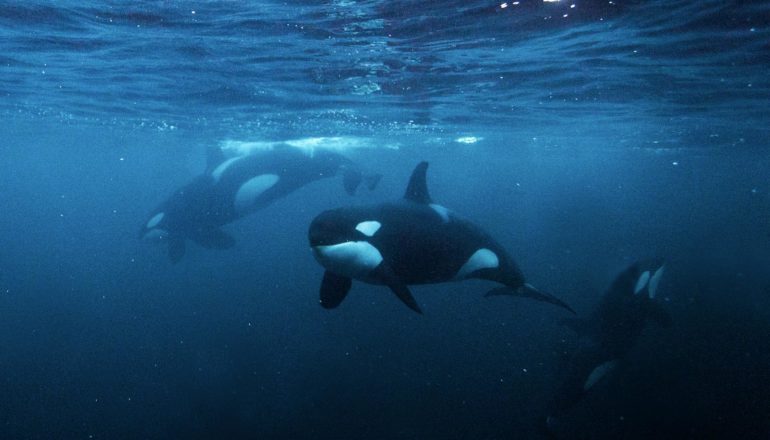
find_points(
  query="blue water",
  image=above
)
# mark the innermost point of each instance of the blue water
(583, 135)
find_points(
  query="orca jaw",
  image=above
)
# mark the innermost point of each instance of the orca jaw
(327, 229)
(339, 226)
(353, 259)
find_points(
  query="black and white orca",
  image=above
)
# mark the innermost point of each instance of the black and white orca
(236, 186)
(411, 241)
(609, 333)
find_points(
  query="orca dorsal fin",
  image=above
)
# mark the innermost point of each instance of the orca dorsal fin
(417, 190)
(214, 157)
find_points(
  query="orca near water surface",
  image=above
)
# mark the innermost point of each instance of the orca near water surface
(232, 187)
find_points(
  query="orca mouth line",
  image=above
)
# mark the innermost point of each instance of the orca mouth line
(319, 240)
(319, 243)
(321, 247)
(319, 250)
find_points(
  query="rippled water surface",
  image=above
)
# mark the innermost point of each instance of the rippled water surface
(373, 66)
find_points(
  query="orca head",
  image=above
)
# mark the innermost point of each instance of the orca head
(340, 240)
(156, 229)
(341, 225)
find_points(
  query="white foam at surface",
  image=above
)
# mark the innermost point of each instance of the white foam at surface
(232, 147)
(468, 139)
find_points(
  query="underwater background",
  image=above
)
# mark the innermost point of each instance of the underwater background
(583, 135)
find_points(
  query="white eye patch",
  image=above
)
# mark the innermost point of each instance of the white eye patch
(642, 282)
(155, 220)
(369, 227)
(654, 281)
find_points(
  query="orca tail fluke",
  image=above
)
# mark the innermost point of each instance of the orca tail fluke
(529, 291)
(351, 179)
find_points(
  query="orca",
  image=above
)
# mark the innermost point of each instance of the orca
(407, 242)
(233, 187)
(609, 333)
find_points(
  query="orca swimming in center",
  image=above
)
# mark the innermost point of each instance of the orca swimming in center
(609, 333)
(231, 188)
(411, 241)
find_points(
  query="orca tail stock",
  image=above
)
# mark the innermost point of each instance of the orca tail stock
(529, 291)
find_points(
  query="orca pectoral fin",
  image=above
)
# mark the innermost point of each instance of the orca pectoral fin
(528, 291)
(213, 239)
(334, 289)
(176, 248)
(385, 274)
(350, 180)
(403, 293)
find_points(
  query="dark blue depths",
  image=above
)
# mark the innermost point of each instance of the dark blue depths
(103, 336)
